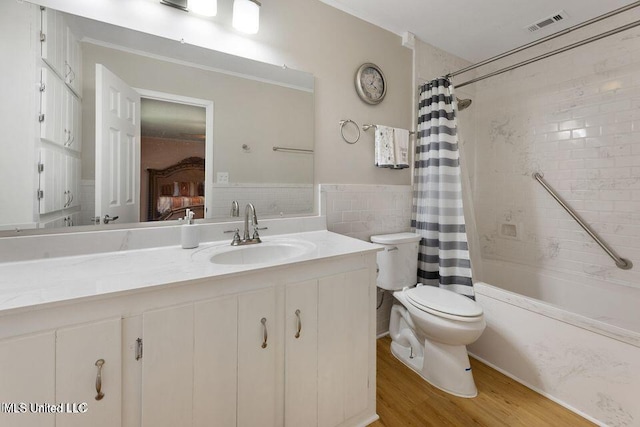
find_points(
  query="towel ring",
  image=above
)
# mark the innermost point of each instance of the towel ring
(343, 123)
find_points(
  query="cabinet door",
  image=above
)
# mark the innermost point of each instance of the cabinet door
(72, 60)
(72, 122)
(301, 354)
(80, 373)
(167, 367)
(343, 346)
(72, 182)
(52, 180)
(53, 45)
(52, 108)
(27, 374)
(215, 363)
(257, 342)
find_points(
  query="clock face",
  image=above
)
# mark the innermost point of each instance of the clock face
(370, 84)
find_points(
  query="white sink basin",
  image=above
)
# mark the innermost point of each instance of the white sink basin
(262, 253)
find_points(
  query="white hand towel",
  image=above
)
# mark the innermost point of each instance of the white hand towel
(385, 152)
(401, 147)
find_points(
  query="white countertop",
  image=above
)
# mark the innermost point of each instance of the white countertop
(34, 283)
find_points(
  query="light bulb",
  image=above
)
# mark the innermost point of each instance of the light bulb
(246, 16)
(204, 7)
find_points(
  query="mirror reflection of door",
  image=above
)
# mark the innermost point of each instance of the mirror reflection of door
(117, 149)
(150, 152)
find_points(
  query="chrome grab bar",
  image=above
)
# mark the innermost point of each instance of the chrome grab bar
(622, 263)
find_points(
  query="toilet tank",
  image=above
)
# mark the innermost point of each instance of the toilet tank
(398, 262)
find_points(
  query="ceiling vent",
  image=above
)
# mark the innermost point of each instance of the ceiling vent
(550, 20)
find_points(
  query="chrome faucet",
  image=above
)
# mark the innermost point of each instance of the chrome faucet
(246, 240)
(250, 209)
(235, 208)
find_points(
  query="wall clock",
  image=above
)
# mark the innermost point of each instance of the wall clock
(371, 84)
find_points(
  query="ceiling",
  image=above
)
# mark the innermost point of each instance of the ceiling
(170, 120)
(472, 29)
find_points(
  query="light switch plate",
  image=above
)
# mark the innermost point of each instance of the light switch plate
(222, 177)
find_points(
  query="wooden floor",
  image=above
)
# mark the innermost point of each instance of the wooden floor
(404, 399)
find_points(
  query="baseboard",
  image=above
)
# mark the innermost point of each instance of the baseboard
(382, 335)
(537, 390)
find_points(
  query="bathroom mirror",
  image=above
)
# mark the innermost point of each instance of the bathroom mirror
(206, 127)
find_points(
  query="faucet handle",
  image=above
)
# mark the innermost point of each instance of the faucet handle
(236, 236)
(256, 236)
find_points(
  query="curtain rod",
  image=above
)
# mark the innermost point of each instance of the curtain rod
(545, 39)
(552, 53)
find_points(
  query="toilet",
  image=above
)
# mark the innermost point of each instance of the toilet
(430, 327)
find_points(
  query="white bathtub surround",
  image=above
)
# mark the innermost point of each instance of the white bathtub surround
(360, 211)
(604, 308)
(559, 354)
(576, 119)
(269, 199)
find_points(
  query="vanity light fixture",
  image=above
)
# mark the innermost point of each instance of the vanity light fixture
(200, 7)
(204, 7)
(246, 16)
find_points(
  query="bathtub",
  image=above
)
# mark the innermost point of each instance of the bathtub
(573, 340)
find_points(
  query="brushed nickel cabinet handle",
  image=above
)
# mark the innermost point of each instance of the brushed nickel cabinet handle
(264, 332)
(100, 394)
(299, 322)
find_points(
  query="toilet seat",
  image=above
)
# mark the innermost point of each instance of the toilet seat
(443, 303)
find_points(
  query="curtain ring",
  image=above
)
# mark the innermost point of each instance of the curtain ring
(343, 123)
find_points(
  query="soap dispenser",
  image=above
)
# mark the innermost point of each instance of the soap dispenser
(189, 233)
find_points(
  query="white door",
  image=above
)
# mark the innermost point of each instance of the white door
(301, 354)
(117, 148)
(89, 369)
(257, 348)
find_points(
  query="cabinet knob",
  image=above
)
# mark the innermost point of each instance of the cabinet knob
(100, 394)
(264, 332)
(299, 323)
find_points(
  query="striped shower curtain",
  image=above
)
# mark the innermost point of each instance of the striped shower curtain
(437, 215)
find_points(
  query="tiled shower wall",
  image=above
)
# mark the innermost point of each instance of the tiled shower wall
(362, 211)
(576, 119)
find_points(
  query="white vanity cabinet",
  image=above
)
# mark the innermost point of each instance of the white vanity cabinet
(59, 367)
(296, 354)
(285, 345)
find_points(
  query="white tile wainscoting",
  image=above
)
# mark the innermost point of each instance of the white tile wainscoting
(362, 211)
(269, 199)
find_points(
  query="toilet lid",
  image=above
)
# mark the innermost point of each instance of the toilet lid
(443, 301)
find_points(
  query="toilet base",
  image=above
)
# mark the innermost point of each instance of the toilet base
(447, 367)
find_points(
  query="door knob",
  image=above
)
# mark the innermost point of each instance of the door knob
(108, 219)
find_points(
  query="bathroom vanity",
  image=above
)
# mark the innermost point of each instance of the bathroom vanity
(282, 335)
